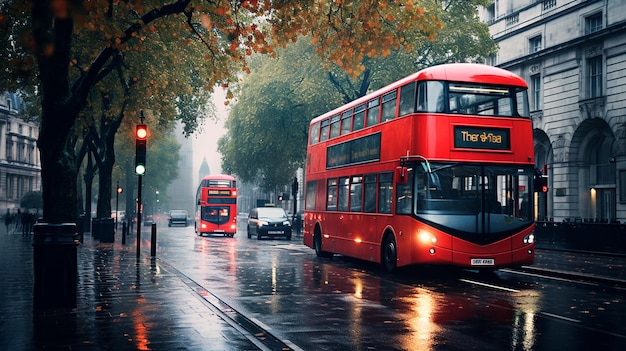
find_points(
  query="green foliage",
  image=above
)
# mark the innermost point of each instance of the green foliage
(267, 127)
(62, 53)
(267, 124)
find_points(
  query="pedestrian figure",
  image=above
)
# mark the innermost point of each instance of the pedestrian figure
(25, 219)
(17, 219)
(7, 220)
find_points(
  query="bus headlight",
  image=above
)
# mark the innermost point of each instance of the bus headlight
(529, 239)
(426, 237)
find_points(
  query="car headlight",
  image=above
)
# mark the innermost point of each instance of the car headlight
(287, 223)
(262, 223)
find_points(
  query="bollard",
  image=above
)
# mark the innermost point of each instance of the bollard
(123, 233)
(153, 241)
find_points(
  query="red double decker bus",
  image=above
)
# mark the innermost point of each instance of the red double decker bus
(436, 168)
(216, 205)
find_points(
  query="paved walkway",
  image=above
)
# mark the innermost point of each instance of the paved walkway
(122, 305)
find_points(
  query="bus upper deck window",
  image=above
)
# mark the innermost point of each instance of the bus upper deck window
(346, 122)
(324, 131)
(359, 115)
(373, 111)
(430, 97)
(334, 126)
(315, 133)
(407, 99)
(389, 106)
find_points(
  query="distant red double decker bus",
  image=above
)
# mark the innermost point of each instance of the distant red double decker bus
(436, 168)
(216, 205)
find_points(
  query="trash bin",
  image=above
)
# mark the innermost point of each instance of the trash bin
(55, 264)
(107, 230)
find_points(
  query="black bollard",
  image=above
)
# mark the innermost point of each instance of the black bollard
(153, 241)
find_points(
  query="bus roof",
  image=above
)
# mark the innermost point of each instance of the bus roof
(451, 72)
(218, 177)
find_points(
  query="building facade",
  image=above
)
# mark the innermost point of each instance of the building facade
(572, 53)
(20, 167)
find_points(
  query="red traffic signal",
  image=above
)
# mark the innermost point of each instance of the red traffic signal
(141, 141)
(141, 133)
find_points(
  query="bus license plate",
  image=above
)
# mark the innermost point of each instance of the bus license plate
(482, 262)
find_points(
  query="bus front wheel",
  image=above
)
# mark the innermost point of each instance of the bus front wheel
(317, 244)
(389, 254)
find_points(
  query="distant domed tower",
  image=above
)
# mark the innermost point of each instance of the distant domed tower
(204, 169)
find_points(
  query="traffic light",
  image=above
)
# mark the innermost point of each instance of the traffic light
(541, 181)
(141, 141)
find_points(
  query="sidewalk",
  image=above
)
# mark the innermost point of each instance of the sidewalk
(122, 305)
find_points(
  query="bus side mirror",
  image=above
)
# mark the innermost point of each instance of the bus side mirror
(402, 175)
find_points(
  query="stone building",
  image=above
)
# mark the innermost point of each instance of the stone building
(572, 53)
(20, 167)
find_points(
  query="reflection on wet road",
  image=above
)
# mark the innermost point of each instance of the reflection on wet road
(343, 304)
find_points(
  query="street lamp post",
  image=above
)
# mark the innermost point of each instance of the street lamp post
(119, 190)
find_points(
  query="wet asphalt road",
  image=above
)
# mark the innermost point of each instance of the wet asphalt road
(308, 303)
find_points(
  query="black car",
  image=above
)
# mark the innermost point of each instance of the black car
(177, 217)
(269, 221)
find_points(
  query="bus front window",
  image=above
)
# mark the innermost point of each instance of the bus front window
(474, 198)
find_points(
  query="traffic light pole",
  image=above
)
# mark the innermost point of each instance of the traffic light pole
(139, 177)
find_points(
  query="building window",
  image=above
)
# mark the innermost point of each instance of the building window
(534, 44)
(548, 4)
(594, 74)
(593, 23)
(535, 85)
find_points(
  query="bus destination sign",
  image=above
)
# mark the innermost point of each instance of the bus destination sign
(361, 150)
(482, 138)
(215, 192)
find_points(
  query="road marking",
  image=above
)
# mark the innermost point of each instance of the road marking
(545, 276)
(560, 317)
(488, 285)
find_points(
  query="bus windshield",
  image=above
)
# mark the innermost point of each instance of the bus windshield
(472, 99)
(470, 198)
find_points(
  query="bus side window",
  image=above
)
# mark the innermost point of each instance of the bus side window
(385, 192)
(344, 192)
(309, 201)
(324, 133)
(373, 110)
(334, 126)
(331, 195)
(359, 115)
(370, 193)
(356, 194)
(430, 97)
(315, 133)
(389, 106)
(407, 99)
(346, 122)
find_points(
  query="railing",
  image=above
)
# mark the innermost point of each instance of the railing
(579, 235)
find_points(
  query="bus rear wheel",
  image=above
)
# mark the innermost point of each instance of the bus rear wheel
(317, 244)
(389, 253)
